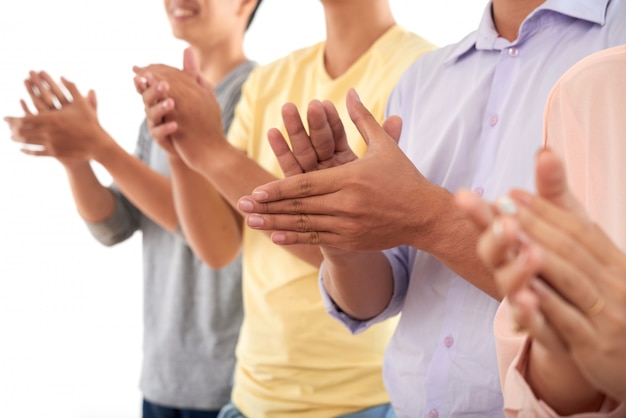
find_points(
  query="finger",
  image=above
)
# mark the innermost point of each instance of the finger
(287, 161)
(393, 126)
(565, 264)
(92, 99)
(189, 63)
(581, 230)
(55, 89)
(281, 193)
(528, 316)
(156, 114)
(569, 323)
(156, 92)
(517, 272)
(476, 209)
(301, 144)
(336, 126)
(42, 90)
(162, 132)
(551, 182)
(33, 92)
(72, 89)
(501, 243)
(364, 121)
(25, 108)
(140, 83)
(320, 132)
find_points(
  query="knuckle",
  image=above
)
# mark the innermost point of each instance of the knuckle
(303, 223)
(304, 185)
(314, 238)
(296, 205)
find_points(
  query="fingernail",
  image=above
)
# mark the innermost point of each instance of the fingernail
(506, 205)
(260, 195)
(255, 221)
(165, 104)
(358, 98)
(245, 205)
(278, 238)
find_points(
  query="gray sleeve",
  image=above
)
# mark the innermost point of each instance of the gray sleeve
(126, 218)
(228, 92)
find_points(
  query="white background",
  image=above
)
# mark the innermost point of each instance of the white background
(70, 309)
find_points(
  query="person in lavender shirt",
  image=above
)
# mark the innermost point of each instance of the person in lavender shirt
(393, 240)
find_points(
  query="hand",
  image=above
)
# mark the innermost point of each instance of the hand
(66, 126)
(183, 114)
(578, 307)
(360, 205)
(325, 146)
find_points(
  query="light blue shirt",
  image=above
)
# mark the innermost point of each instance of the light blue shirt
(473, 116)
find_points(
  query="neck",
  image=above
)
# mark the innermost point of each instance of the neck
(216, 61)
(351, 29)
(508, 15)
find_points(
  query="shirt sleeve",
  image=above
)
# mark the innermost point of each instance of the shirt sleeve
(125, 219)
(519, 400)
(400, 286)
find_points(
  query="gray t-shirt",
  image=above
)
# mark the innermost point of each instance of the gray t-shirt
(192, 313)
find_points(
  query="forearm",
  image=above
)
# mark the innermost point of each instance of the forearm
(148, 190)
(234, 175)
(557, 381)
(94, 202)
(211, 227)
(359, 282)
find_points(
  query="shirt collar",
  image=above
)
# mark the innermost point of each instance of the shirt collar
(486, 37)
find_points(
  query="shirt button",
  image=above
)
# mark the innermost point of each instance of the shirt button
(479, 191)
(448, 341)
(513, 52)
(493, 120)
(433, 413)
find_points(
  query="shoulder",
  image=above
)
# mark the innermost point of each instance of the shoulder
(601, 67)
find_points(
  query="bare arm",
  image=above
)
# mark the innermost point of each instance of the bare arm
(184, 113)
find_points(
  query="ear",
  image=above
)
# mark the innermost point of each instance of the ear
(245, 9)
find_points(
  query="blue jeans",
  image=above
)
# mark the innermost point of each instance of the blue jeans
(380, 411)
(151, 410)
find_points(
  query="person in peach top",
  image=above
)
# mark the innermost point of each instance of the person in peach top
(561, 264)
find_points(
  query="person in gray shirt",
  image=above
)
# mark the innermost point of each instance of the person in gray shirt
(192, 312)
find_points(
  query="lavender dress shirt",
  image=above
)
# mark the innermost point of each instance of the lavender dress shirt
(472, 116)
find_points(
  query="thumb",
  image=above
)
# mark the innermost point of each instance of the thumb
(366, 124)
(91, 99)
(190, 67)
(551, 182)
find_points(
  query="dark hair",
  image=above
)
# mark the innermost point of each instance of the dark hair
(253, 13)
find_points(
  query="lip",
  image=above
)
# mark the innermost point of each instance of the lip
(181, 12)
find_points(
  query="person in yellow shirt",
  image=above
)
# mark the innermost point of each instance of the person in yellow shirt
(293, 359)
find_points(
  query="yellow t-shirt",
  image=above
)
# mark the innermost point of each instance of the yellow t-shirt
(293, 359)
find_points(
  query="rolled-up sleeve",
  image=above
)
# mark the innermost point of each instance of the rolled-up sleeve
(397, 260)
(519, 399)
(121, 225)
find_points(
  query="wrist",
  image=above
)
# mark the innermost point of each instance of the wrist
(105, 150)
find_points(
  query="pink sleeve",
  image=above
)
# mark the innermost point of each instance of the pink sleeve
(519, 400)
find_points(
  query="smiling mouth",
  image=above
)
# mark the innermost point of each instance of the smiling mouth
(180, 13)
